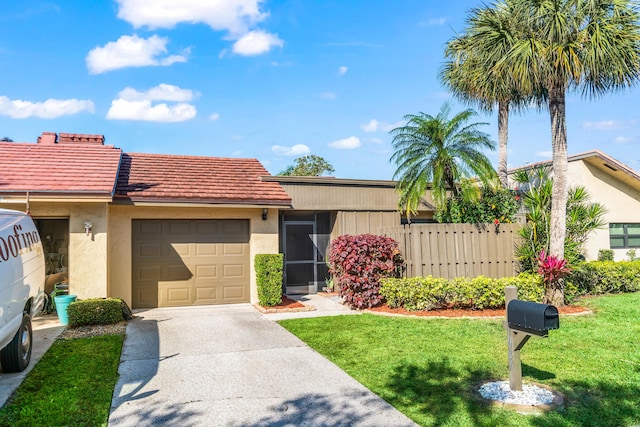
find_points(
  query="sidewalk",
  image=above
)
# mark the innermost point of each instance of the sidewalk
(45, 331)
(325, 305)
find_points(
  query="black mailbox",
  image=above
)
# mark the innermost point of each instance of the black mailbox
(532, 318)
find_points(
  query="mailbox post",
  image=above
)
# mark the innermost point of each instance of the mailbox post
(523, 320)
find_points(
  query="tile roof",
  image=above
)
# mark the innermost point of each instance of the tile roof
(64, 169)
(171, 178)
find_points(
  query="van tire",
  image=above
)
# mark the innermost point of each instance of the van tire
(15, 357)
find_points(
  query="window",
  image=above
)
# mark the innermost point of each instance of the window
(624, 236)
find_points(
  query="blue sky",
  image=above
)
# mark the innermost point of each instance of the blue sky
(271, 80)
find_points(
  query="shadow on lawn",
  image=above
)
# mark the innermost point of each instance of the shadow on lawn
(537, 374)
(598, 404)
(439, 391)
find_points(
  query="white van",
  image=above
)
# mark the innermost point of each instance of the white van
(22, 274)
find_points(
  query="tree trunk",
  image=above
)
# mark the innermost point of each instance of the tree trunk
(503, 138)
(554, 293)
(558, 228)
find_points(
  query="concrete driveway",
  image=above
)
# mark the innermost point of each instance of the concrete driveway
(231, 366)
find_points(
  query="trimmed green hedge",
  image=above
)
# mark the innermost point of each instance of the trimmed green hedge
(95, 311)
(269, 278)
(602, 277)
(429, 293)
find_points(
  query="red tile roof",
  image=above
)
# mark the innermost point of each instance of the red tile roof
(65, 169)
(170, 178)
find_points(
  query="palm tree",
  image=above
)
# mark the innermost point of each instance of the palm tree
(583, 217)
(592, 45)
(440, 152)
(470, 73)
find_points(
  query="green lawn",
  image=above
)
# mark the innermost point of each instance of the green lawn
(428, 368)
(72, 385)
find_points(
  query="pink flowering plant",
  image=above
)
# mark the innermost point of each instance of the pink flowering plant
(552, 269)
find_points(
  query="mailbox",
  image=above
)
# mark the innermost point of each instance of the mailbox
(532, 318)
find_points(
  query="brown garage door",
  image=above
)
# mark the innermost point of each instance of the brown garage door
(190, 262)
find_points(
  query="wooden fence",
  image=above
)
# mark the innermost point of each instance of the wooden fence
(456, 250)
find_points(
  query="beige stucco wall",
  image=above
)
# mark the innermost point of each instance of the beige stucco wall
(264, 237)
(621, 201)
(87, 256)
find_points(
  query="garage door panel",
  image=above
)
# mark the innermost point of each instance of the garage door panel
(150, 250)
(233, 292)
(233, 250)
(147, 296)
(199, 262)
(207, 271)
(203, 249)
(231, 271)
(181, 249)
(177, 295)
(176, 272)
(206, 295)
(148, 273)
(150, 227)
(178, 227)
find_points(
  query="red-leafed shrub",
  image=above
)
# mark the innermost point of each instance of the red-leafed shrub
(357, 263)
(551, 268)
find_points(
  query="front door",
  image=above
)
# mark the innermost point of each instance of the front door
(300, 255)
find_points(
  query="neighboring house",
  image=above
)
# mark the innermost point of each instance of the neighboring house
(167, 230)
(616, 186)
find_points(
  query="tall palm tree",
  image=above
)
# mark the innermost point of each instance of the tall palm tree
(440, 152)
(592, 45)
(469, 70)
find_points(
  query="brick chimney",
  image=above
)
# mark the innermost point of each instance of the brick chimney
(47, 138)
(80, 138)
(70, 138)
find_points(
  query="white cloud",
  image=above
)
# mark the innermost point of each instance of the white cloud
(328, 95)
(256, 43)
(134, 105)
(433, 22)
(131, 51)
(622, 139)
(609, 124)
(162, 92)
(296, 150)
(377, 126)
(235, 16)
(214, 117)
(544, 154)
(372, 126)
(342, 70)
(49, 109)
(346, 143)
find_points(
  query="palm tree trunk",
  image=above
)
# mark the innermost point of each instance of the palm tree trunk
(503, 138)
(560, 188)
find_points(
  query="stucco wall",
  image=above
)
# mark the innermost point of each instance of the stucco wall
(87, 265)
(621, 201)
(264, 237)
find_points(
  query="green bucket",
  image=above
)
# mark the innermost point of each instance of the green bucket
(62, 302)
